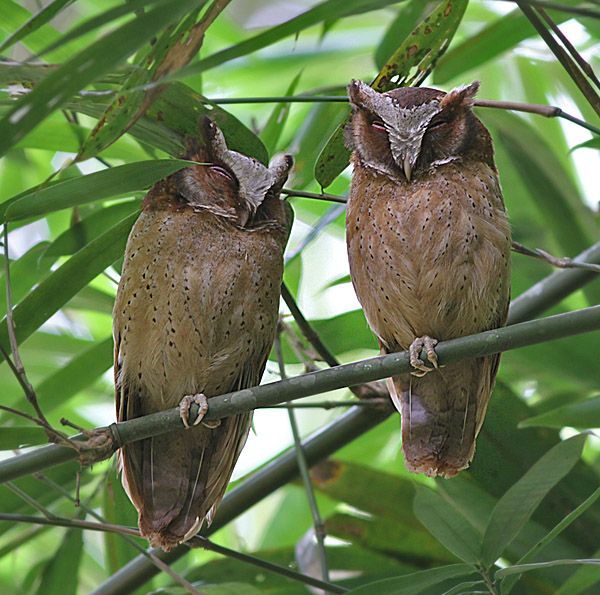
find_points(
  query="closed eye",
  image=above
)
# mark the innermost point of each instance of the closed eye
(437, 124)
(221, 172)
(378, 125)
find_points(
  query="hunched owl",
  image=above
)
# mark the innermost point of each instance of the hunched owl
(429, 251)
(195, 316)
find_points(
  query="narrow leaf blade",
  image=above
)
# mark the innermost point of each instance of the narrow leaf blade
(517, 505)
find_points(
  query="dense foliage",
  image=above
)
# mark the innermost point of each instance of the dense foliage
(86, 129)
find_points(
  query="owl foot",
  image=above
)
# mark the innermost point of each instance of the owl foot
(202, 402)
(415, 350)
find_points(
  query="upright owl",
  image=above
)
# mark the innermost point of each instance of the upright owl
(429, 250)
(195, 316)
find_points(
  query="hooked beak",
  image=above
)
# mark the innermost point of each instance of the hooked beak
(407, 166)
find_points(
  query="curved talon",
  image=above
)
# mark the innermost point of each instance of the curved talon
(185, 405)
(415, 350)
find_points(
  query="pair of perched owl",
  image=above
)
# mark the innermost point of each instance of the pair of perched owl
(196, 310)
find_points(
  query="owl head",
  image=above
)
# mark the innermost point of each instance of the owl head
(225, 181)
(412, 129)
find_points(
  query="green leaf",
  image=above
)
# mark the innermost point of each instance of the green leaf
(518, 504)
(97, 21)
(447, 524)
(13, 17)
(585, 414)
(117, 509)
(464, 588)
(45, 15)
(534, 551)
(274, 127)
(79, 373)
(593, 143)
(330, 9)
(519, 568)
(56, 290)
(580, 580)
(90, 227)
(179, 108)
(412, 584)
(83, 68)
(550, 186)
(61, 572)
(113, 181)
(410, 64)
(410, 14)
(16, 437)
(493, 39)
(229, 588)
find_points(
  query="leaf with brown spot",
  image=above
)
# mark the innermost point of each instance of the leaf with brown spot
(174, 49)
(409, 65)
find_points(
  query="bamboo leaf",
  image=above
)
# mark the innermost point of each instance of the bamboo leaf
(173, 49)
(109, 182)
(517, 505)
(585, 414)
(118, 510)
(273, 128)
(15, 437)
(493, 40)
(45, 15)
(88, 65)
(519, 568)
(330, 9)
(410, 64)
(412, 584)
(447, 524)
(60, 573)
(57, 289)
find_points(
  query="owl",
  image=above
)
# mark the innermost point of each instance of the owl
(429, 249)
(195, 316)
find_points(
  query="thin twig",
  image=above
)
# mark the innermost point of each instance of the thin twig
(585, 66)
(362, 391)
(32, 501)
(449, 352)
(18, 368)
(585, 12)
(199, 541)
(562, 56)
(321, 196)
(69, 523)
(306, 329)
(304, 470)
(125, 536)
(561, 263)
(305, 355)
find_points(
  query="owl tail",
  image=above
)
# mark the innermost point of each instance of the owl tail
(177, 480)
(442, 413)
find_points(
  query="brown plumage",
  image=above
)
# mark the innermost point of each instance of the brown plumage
(429, 250)
(195, 314)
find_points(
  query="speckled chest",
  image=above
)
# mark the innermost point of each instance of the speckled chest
(197, 300)
(427, 254)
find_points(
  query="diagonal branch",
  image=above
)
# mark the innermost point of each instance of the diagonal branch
(326, 441)
(313, 383)
(562, 56)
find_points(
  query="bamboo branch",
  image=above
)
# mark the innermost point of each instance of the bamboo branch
(376, 368)
(326, 441)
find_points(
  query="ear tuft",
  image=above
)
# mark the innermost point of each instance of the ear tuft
(359, 93)
(463, 95)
